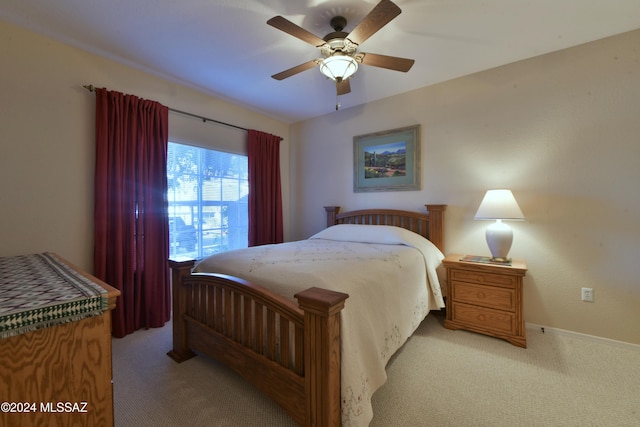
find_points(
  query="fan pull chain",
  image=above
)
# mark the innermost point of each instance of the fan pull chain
(337, 102)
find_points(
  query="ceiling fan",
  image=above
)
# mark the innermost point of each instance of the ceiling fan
(340, 56)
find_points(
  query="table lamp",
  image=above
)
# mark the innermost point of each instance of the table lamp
(499, 205)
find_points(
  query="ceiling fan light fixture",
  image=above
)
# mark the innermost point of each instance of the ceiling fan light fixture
(338, 66)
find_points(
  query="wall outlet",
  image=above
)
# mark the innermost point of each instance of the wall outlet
(587, 294)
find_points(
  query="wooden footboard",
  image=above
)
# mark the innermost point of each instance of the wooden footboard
(290, 353)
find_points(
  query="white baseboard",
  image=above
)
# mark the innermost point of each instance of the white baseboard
(601, 340)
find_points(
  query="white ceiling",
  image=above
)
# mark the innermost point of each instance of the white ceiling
(226, 49)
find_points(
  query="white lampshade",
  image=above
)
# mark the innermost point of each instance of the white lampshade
(499, 205)
(338, 66)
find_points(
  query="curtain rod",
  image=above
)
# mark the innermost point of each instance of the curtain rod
(91, 88)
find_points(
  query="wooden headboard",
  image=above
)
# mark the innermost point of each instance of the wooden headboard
(429, 225)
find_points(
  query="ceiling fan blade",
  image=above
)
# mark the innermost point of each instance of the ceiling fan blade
(289, 27)
(388, 62)
(295, 70)
(343, 87)
(380, 16)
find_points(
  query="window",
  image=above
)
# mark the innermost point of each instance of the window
(208, 201)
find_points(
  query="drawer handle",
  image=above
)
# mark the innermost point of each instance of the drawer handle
(482, 317)
(481, 295)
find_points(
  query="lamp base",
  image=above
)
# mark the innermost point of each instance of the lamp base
(501, 260)
(499, 238)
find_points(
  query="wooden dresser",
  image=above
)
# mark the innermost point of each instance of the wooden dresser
(486, 298)
(60, 375)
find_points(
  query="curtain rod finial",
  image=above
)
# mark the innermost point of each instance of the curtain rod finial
(90, 88)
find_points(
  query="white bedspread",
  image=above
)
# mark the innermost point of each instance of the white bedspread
(389, 274)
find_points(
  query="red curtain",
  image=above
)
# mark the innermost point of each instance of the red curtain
(130, 218)
(265, 197)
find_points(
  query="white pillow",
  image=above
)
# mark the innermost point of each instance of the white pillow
(366, 233)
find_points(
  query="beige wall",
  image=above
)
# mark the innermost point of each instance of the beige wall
(47, 139)
(560, 130)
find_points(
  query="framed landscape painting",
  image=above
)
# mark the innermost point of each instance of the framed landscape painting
(387, 161)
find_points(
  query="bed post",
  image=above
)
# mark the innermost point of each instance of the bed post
(180, 351)
(322, 355)
(436, 225)
(331, 211)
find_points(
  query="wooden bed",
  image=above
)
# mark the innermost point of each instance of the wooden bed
(238, 323)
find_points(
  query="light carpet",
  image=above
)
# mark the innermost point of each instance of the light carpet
(438, 378)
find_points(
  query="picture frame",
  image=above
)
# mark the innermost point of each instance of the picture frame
(387, 161)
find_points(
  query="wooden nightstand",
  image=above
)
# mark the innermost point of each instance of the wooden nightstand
(486, 298)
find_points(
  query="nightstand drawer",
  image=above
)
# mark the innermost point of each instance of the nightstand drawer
(485, 296)
(484, 278)
(484, 318)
